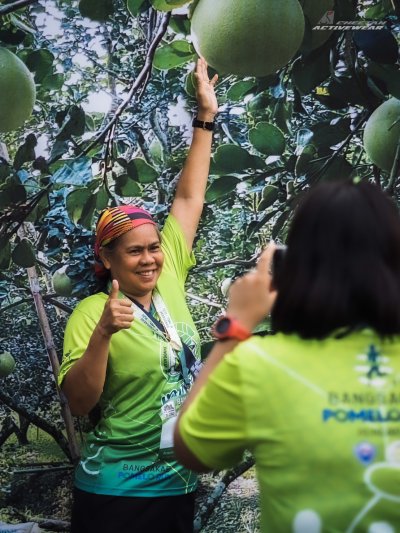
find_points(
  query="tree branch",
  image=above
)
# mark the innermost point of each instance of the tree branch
(19, 4)
(142, 78)
(233, 261)
(37, 420)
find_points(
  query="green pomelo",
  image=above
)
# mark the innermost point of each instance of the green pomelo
(247, 38)
(382, 134)
(164, 5)
(17, 91)
(7, 364)
(62, 283)
(315, 10)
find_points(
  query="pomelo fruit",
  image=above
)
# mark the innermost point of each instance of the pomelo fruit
(17, 91)
(382, 134)
(7, 364)
(314, 10)
(247, 38)
(62, 283)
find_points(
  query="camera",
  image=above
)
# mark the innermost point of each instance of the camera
(277, 264)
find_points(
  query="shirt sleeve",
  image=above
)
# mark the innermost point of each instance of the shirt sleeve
(214, 425)
(79, 329)
(178, 259)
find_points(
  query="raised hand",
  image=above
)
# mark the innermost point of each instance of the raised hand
(117, 313)
(205, 93)
(251, 297)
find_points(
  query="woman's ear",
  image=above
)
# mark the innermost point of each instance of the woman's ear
(104, 258)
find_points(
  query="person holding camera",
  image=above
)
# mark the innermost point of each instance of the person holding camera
(318, 402)
(132, 349)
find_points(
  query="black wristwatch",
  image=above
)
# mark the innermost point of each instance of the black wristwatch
(203, 125)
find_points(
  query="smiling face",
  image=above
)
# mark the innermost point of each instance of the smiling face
(136, 261)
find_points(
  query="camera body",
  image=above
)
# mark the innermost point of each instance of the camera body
(277, 263)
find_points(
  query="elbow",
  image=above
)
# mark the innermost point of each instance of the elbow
(79, 406)
(185, 457)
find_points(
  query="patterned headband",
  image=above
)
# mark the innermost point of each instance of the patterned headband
(114, 222)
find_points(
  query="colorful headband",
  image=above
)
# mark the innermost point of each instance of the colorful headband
(114, 222)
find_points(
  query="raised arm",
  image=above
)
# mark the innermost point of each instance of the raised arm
(189, 198)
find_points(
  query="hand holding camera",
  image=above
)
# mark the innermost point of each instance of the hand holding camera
(252, 296)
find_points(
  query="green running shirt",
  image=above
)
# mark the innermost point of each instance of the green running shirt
(322, 419)
(122, 455)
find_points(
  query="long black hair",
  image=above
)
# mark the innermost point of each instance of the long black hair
(342, 266)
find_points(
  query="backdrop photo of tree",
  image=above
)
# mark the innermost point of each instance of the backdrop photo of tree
(96, 103)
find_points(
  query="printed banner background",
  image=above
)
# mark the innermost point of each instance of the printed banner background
(112, 121)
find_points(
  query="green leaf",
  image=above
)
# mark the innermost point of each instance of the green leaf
(23, 254)
(190, 86)
(173, 55)
(279, 224)
(141, 171)
(327, 134)
(74, 123)
(80, 205)
(53, 82)
(390, 74)
(230, 158)
(134, 6)
(99, 10)
(41, 63)
(309, 72)
(379, 11)
(75, 172)
(26, 152)
(340, 168)
(12, 193)
(102, 199)
(269, 196)
(125, 186)
(258, 103)
(267, 139)
(239, 90)
(282, 115)
(5, 253)
(306, 156)
(180, 25)
(221, 187)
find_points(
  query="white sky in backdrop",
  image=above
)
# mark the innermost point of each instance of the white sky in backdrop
(98, 101)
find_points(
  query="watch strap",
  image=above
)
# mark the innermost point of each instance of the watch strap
(203, 125)
(232, 329)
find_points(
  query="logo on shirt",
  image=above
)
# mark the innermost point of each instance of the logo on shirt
(365, 452)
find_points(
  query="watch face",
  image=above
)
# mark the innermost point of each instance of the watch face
(222, 325)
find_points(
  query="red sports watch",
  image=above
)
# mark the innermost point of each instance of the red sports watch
(227, 327)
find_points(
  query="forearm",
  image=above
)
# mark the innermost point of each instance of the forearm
(217, 353)
(84, 382)
(194, 176)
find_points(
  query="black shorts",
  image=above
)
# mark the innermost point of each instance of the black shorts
(97, 513)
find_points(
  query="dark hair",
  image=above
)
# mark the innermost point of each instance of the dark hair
(342, 266)
(101, 284)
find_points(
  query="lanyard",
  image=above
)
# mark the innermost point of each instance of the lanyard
(165, 329)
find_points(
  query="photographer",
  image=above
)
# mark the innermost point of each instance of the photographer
(318, 403)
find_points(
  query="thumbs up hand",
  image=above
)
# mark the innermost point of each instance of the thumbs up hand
(117, 313)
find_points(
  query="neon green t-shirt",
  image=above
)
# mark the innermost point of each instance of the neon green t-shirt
(129, 453)
(322, 419)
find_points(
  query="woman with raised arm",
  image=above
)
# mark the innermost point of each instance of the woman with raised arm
(318, 403)
(133, 350)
